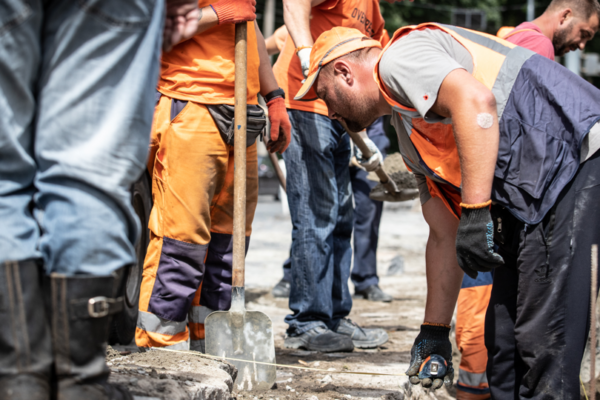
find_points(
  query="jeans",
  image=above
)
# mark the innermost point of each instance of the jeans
(319, 197)
(367, 216)
(76, 91)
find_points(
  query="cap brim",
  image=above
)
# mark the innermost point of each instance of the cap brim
(306, 92)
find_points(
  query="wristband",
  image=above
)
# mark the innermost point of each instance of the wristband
(275, 93)
(475, 206)
(434, 324)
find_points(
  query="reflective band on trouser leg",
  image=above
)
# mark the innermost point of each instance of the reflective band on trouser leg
(189, 168)
(472, 304)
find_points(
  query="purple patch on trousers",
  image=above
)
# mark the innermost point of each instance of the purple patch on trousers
(216, 287)
(178, 277)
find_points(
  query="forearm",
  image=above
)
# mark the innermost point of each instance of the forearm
(207, 19)
(265, 72)
(444, 276)
(296, 14)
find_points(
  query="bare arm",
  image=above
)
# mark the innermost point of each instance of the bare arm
(472, 108)
(444, 276)
(265, 72)
(207, 19)
(296, 14)
(271, 44)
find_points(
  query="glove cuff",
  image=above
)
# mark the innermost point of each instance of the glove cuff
(476, 206)
(275, 101)
(225, 11)
(435, 330)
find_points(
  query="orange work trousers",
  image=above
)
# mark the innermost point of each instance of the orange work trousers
(188, 266)
(472, 305)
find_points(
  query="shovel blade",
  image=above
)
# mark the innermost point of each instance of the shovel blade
(246, 336)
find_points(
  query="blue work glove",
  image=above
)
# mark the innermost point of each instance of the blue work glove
(475, 240)
(433, 339)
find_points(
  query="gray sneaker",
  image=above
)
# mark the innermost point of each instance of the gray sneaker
(373, 293)
(361, 337)
(282, 289)
(320, 339)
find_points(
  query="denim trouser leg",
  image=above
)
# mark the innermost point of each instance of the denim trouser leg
(88, 134)
(318, 187)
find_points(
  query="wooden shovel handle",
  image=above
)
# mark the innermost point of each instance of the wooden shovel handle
(239, 155)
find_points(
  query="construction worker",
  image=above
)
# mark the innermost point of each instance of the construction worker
(188, 267)
(76, 95)
(484, 122)
(567, 25)
(318, 186)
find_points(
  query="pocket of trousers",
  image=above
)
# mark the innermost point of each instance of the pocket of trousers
(223, 115)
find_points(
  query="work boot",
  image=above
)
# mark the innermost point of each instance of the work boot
(82, 306)
(373, 293)
(361, 337)
(282, 289)
(26, 362)
(320, 339)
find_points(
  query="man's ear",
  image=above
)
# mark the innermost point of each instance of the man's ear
(341, 69)
(565, 15)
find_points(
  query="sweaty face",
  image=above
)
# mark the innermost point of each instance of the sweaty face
(574, 35)
(344, 103)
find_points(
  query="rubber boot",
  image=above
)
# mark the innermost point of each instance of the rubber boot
(82, 306)
(26, 354)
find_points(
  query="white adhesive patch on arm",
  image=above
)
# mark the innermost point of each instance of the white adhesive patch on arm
(485, 120)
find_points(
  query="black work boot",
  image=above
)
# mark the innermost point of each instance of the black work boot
(25, 349)
(82, 306)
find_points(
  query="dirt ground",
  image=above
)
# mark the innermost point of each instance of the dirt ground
(396, 169)
(403, 234)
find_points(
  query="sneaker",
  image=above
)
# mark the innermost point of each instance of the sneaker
(373, 293)
(282, 289)
(361, 337)
(320, 339)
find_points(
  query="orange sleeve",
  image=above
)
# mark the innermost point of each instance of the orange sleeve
(328, 4)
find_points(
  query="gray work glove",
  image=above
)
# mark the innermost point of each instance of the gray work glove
(433, 339)
(372, 163)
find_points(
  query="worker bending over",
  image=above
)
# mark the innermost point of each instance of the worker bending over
(503, 142)
(187, 272)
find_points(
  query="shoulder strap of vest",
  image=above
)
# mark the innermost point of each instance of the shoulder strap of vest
(515, 31)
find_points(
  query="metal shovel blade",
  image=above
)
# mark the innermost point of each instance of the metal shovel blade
(248, 336)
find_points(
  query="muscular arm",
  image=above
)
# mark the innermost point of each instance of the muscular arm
(444, 276)
(296, 14)
(467, 101)
(265, 73)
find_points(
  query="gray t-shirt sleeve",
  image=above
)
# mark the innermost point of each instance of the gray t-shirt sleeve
(414, 67)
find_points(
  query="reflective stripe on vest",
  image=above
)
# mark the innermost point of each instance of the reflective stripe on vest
(550, 114)
(472, 379)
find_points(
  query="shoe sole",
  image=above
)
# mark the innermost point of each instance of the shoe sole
(364, 344)
(297, 343)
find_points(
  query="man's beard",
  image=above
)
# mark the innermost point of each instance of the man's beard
(559, 40)
(362, 115)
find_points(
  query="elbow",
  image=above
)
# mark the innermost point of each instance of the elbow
(484, 99)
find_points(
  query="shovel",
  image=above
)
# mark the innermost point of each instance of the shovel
(391, 191)
(237, 333)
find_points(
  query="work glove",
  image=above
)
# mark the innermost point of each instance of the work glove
(281, 128)
(372, 163)
(475, 240)
(433, 339)
(304, 56)
(235, 11)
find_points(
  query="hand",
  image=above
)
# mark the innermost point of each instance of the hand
(475, 240)
(235, 11)
(372, 163)
(433, 339)
(181, 22)
(281, 128)
(304, 56)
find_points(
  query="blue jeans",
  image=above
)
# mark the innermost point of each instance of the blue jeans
(76, 93)
(319, 196)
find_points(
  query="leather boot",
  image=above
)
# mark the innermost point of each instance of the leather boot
(82, 306)
(25, 350)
